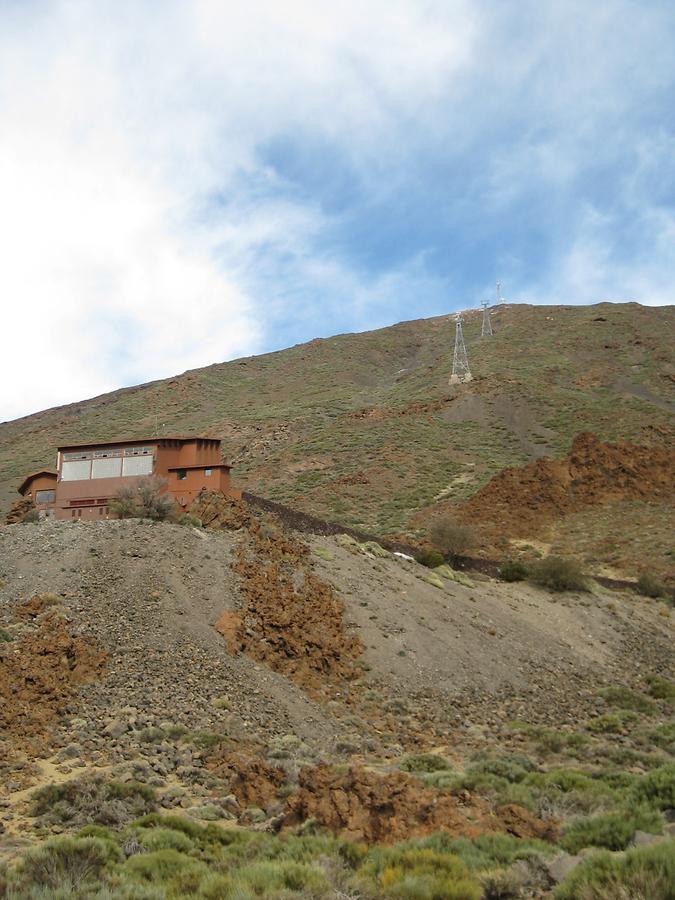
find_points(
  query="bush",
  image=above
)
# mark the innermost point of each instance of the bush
(645, 873)
(661, 688)
(650, 586)
(418, 874)
(124, 503)
(163, 865)
(656, 788)
(511, 766)
(613, 831)
(513, 570)
(430, 558)
(145, 499)
(93, 800)
(452, 538)
(68, 861)
(623, 698)
(558, 574)
(152, 501)
(425, 762)
(5, 636)
(166, 839)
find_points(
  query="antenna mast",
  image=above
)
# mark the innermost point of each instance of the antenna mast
(460, 361)
(486, 328)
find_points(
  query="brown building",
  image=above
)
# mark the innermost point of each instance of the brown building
(88, 475)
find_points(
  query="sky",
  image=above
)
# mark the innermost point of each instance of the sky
(188, 181)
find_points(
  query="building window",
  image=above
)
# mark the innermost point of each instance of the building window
(44, 497)
(208, 471)
(181, 474)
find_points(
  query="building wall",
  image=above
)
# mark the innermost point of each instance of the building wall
(80, 496)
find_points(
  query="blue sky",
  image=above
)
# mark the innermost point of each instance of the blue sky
(192, 181)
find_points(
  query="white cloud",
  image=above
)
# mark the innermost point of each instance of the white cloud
(142, 232)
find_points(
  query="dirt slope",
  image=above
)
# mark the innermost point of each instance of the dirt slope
(560, 500)
(149, 689)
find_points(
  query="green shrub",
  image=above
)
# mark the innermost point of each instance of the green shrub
(650, 586)
(67, 861)
(558, 574)
(269, 878)
(166, 839)
(609, 723)
(93, 799)
(513, 570)
(511, 766)
(162, 866)
(177, 823)
(487, 851)
(417, 874)
(613, 831)
(661, 688)
(5, 636)
(425, 762)
(645, 873)
(656, 788)
(623, 698)
(430, 558)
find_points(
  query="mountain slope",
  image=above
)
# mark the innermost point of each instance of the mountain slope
(363, 428)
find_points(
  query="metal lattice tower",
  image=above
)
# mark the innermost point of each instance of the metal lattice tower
(460, 360)
(486, 328)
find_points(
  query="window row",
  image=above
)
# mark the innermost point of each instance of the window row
(113, 467)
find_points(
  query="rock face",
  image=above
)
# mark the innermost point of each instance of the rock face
(39, 673)
(364, 806)
(290, 619)
(521, 498)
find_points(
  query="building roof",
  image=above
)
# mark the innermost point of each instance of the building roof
(33, 475)
(220, 465)
(141, 440)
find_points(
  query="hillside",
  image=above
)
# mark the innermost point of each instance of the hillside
(241, 682)
(363, 428)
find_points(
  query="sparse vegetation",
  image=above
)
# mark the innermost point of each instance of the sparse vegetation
(425, 762)
(430, 558)
(558, 574)
(513, 570)
(452, 538)
(650, 586)
(613, 831)
(146, 499)
(92, 799)
(645, 872)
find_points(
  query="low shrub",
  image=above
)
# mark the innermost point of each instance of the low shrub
(645, 873)
(5, 636)
(452, 538)
(513, 570)
(487, 851)
(661, 688)
(623, 698)
(430, 558)
(269, 878)
(613, 831)
(656, 788)
(511, 766)
(145, 499)
(166, 839)
(425, 762)
(162, 866)
(415, 872)
(94, 800)
(558, 574)
(650, 586)
(68, 862)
